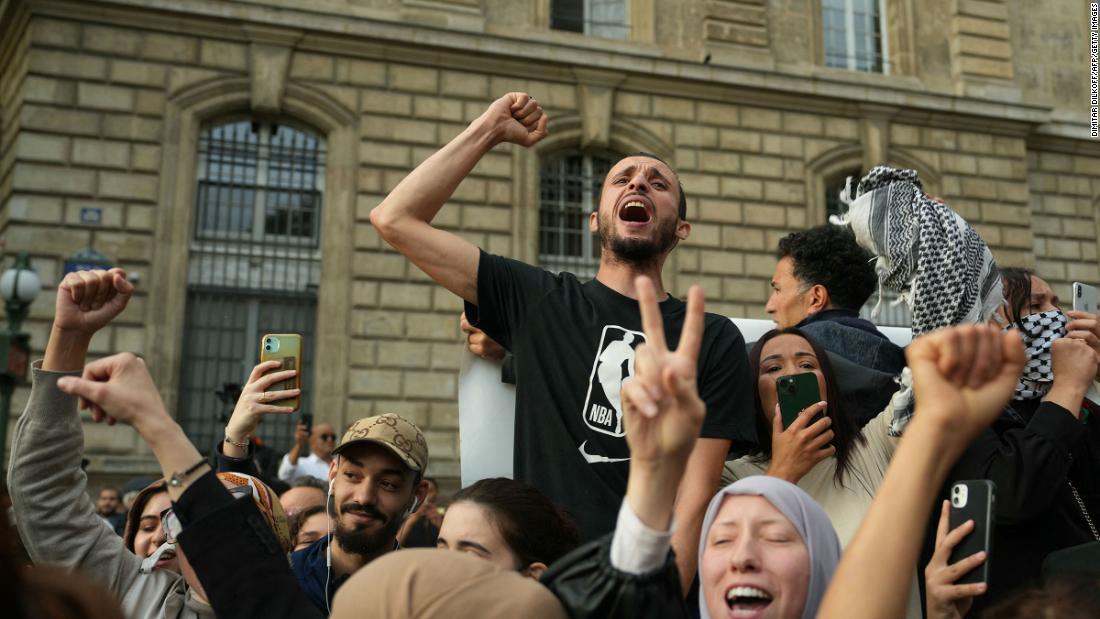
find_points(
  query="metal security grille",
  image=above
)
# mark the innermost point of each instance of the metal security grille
(255, 267)
(890, 315)
(598, 18)
(570, 187)
(853, 34)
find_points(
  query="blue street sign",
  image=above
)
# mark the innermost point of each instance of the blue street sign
(86, 260)
(91, 215)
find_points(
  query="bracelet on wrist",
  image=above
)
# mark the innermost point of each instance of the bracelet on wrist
(177, 478)
(243, 445)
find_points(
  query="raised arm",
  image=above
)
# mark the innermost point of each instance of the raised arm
(119, 389)
(218, 530)
(962, 378)
(56, 518)
(404, 218)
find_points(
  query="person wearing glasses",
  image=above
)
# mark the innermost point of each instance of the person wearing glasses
(321, 442)
(56, 517)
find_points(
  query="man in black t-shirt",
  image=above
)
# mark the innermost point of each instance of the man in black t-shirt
(573, 341)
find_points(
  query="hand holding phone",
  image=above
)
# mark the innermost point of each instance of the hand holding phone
(1085, 298)
(972, 500)
(946, 597)
(262, 395)
(796, 393)
(287, 349)
(801, 437)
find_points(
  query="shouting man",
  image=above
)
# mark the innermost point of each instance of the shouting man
(569, 440)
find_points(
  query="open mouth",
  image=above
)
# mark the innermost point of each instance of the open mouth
(166, 558)
(747, 601)
(634, 211)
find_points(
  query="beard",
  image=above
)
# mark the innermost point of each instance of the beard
(358, 540)
(634, 251)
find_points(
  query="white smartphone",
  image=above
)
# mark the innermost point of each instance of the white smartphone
(1084, 298)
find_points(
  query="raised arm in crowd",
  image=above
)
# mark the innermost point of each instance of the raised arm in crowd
(56, 518)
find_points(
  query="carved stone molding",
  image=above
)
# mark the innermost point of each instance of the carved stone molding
(270, 51)
(596, 94)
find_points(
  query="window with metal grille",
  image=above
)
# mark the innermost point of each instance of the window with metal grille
(598, 18)
(853, 33)
(569, 189)
(255, 267)
(890, 315)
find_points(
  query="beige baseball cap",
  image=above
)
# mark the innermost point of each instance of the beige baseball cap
(394, 432)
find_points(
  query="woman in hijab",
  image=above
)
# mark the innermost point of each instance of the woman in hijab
(766, 548)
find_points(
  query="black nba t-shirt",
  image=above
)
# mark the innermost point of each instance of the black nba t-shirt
(573, 345)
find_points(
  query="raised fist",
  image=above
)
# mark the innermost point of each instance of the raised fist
(516, 118)
(88, 300)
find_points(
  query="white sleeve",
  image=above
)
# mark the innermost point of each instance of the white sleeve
(636, 548)
(287, 470)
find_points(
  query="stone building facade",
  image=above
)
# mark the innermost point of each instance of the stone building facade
(105, 108)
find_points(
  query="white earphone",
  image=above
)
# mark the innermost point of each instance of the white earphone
(412, 508)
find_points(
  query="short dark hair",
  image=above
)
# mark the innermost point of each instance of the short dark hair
(683, 211)
(112, 489)
(846, 433)
(309, 481)
(1069, 597)
(296, 521)
(531, 525)
(829, 255)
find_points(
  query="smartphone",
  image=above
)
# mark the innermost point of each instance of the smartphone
(307, 419)
(973, 500)
(796, 393)
(1084, 298)
(287, 348)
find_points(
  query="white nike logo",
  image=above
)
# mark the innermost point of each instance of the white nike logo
(595, 459)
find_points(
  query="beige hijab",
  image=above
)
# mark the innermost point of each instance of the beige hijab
(426, 583)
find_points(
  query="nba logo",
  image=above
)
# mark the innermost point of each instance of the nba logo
(614, 363)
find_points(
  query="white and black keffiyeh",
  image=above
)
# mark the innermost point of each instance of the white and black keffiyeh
(939, 265)
(1039, 332)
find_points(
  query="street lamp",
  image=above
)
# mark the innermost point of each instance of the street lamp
(19, 286)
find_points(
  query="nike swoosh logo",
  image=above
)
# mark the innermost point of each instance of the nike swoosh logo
(596, 459)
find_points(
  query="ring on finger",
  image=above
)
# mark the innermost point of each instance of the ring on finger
(263, 397)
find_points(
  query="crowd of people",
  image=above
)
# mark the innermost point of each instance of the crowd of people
(656, 473)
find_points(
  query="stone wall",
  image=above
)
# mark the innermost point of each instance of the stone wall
(101, 109)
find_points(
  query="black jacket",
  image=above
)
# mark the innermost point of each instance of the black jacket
(236, 556)
(1031, 458)
(588, 586)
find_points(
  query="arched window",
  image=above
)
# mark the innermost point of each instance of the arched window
(255, 266)
(569, 189)
(890, 315)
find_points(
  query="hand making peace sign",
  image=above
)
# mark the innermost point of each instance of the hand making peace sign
(662, 410)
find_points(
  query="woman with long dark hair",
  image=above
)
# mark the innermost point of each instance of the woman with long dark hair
(822, 451)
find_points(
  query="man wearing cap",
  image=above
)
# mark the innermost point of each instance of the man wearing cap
(375, 482)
